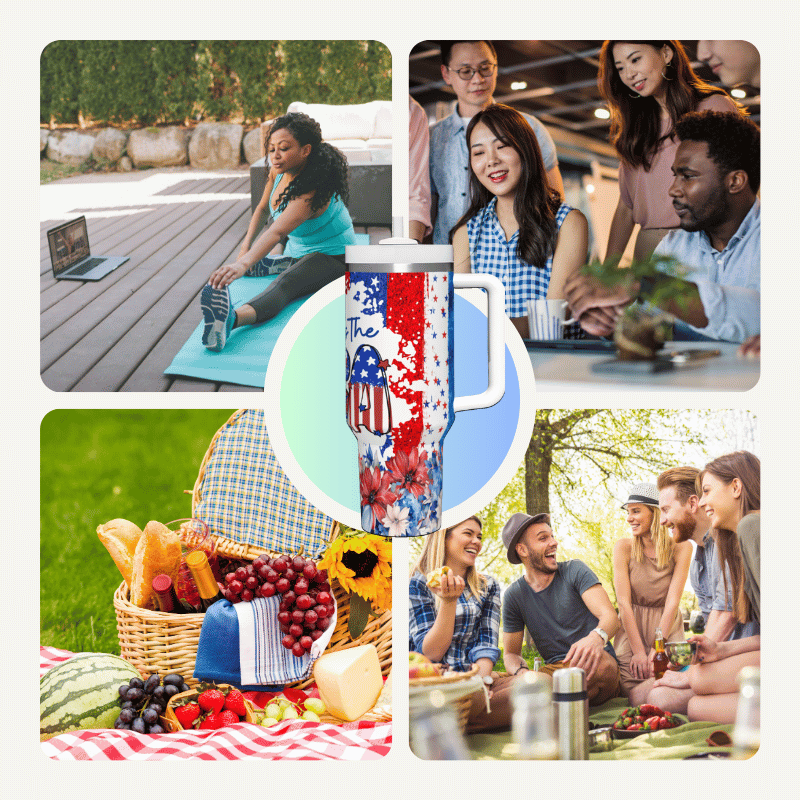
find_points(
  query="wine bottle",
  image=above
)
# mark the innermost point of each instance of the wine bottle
(166, 597)
(204, 579)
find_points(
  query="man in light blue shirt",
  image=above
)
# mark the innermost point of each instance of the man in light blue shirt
(717, 173)
(470, 68)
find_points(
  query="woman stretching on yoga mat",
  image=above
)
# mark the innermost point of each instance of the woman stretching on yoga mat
(306, 193)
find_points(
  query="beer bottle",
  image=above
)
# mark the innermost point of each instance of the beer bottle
(204, 579)
(660, 659)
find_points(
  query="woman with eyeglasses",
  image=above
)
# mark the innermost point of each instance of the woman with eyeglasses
(649, 86)
(470, 69)
(516, 227)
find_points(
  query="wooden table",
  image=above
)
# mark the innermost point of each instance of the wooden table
(557, 370)
(121, 333)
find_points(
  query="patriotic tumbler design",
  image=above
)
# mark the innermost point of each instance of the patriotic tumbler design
(399, 376)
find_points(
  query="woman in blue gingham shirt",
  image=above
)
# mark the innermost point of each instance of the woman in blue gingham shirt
(516, 228)
(456, 622)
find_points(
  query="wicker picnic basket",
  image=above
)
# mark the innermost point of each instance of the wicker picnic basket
(155, 642)
(460, 706)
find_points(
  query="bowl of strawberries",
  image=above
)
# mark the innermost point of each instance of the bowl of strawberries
(646, 718)
(209, 706)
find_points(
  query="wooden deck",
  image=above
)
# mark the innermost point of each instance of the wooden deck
(121, 333)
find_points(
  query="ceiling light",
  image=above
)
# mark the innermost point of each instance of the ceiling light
(602, 113)
(519, 85)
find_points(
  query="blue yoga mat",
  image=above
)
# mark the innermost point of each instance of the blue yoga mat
(248, 349)
(246, 355)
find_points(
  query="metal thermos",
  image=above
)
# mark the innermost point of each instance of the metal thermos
(532, 721)
(571, 702)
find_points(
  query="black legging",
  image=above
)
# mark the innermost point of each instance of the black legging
(307, 275)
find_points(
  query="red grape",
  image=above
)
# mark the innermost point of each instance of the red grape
(301, 586)
(247, 595)
(316, 633)
(310, 618)
(290, 575)
(306, 642)
(321, 576)
(241, 574)
(322, 624)
(282, 585)
(298, 616)
(288, 641)
(284, 628)
(280, 565)
(236, 586)
(322, 611)
(260, 561)
(309, 571)
(268, 589)
(324, 598)
(289, 597)
(251, 583)
(298, 650)
(298, 562)
(304, 602)
(285, 618)
(230, 577)
(296, 630)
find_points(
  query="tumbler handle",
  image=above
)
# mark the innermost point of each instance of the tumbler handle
(497, 346)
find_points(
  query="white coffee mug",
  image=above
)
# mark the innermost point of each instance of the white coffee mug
(547, 318)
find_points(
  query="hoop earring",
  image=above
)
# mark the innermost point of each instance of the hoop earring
(635, 96)
(664, 70)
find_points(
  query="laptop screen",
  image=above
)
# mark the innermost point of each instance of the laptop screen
(69, 243)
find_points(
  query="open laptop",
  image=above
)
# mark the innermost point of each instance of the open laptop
(70, 256)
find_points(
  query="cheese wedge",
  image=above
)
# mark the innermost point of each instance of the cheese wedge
(349, 681)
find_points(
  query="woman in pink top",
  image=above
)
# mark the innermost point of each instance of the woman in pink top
(648, 87)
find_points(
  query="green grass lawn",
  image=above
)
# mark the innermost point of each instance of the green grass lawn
(98, 465)
(53, 171)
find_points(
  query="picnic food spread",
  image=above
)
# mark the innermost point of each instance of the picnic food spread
(95, 690)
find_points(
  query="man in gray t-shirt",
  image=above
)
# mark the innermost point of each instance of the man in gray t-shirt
(564, 607)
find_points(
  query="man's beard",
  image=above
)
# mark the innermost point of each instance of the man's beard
(536, 561)
(684, 530)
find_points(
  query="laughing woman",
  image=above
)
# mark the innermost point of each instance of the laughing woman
(306, 194)
(454, 618)
(650, 573)
(516, 226)
(730, 493)
(649, 86)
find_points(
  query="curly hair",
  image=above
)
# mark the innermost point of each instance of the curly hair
(636, 121)
(325, 170)
(734, 142)
(535, 202)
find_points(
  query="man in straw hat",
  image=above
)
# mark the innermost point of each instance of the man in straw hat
(562, 604)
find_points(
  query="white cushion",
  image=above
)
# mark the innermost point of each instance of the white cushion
(340, 122)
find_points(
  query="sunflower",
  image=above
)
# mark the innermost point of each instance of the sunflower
(362, 563)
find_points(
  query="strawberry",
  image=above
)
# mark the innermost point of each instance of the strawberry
(649, 710)
(235, 702)
(187, 714)
(227, 717)
(211, 700)
(212, 720)
(654, 722)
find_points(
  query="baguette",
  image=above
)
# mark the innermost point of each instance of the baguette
(158, 552)
(120, 538)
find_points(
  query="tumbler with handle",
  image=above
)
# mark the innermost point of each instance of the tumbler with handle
(400, 403)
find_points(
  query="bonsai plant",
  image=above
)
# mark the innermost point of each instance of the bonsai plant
(643, 327)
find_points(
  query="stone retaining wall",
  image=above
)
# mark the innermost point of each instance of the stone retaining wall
(209, 146)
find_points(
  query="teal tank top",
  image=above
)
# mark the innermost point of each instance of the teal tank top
(328, 233)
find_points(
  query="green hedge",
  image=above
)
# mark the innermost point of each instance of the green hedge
(149, 82)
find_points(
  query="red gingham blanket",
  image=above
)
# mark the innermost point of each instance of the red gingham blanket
(293, 740)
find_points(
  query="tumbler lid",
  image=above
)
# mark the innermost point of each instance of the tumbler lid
(398, 250)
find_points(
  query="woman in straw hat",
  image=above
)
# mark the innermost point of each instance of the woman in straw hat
(650, 572)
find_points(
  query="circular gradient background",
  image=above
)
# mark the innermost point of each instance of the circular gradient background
(305, 413)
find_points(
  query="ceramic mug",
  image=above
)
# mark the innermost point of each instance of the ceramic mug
(547, 319)
(399, 366)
